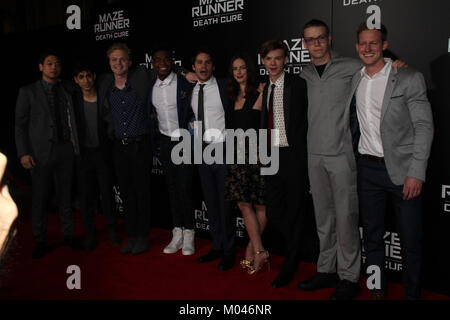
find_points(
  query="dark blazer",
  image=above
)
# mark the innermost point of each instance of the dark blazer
(102, 125)
(295, 103)
(33, 122)
(185, 114)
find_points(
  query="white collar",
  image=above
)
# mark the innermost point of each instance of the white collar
(211, 81)
(167, 81)
(383, 72)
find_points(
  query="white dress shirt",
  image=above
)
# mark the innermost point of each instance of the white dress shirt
(369, 102)
(278, 112)
(164, 98)
(213, 109)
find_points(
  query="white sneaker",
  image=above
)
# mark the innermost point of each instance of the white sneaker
(177, 241)
(188, 242)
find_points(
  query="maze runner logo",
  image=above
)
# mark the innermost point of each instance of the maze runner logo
(202, 222)
(112, 25)
(148, 61)
(298, 57)
(446, 197)
(393, 257)
(347, 3)
(211, 12)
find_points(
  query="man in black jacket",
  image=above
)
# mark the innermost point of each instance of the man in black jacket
(284, 109)
(46, 140)
(93, 164)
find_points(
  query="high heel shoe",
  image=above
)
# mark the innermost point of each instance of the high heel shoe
(260, 262)
(246, 264)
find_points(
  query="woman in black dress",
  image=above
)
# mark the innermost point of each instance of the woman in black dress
(244, 183)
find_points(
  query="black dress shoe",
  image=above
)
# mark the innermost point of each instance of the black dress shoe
(210, 256)
(226, 263)
(114, 238)
(39, 250)
(89, 243)
(346, 290)
(282, 280)
(129, 245)
(319, 281)
(73, 243)
(140, 246)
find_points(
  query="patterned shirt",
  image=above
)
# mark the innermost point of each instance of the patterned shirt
(58, 110)
(128, 112)
(278, 112)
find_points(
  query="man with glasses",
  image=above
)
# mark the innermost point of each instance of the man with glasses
(331, 165)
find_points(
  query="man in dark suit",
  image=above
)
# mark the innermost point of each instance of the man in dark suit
(93, 165)
(170, 111)
(393, 132)
(284, 109)
(210, 105)
(46, 141)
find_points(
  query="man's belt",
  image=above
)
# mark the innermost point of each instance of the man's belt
(129, 140)
(371, 158)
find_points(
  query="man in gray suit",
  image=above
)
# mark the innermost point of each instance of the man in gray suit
(46, 141)
(393, 144)
(331, 165)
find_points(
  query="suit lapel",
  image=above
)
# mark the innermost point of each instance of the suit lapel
(42, 98)
(287, 101)
(392, 80)
(263, 124)
(355, 83)
(223, 95)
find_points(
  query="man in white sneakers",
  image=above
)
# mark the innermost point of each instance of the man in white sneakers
(169, 111)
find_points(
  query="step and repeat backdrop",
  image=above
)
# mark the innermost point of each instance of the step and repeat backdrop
(419, 34)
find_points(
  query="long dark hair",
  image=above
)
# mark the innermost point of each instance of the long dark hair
(252, 85)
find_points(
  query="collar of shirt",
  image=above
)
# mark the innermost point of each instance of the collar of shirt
(210, 82)
(167, 81)
(279, 81)
(382, 73)
(48, 85)
(126, 88)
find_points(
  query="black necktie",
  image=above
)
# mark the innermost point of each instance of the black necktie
(201, 109)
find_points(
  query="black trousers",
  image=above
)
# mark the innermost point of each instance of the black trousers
(374, 186)
(133, 164)
(95, 170)
(178, 179)
(286, 194)
(222, 223)
(58, 170)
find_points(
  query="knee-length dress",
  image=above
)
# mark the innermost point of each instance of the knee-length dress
(244, 182)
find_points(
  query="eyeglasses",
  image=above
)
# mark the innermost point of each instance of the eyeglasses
(322, 39)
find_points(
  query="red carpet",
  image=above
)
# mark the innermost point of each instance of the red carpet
(106, 274)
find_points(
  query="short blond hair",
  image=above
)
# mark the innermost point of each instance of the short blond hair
(119, 46)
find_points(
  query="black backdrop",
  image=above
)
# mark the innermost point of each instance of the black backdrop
(419, 33)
